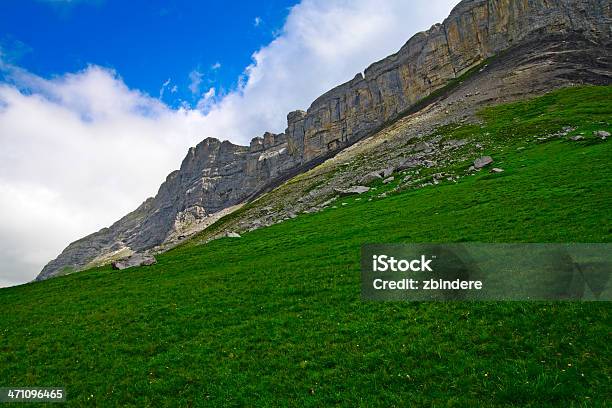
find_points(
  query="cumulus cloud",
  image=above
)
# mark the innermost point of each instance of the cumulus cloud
(81, 150)
(257, 21)
(76, 152)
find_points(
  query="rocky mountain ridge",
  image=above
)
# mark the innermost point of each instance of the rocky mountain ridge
(419, 151)
(216, 176)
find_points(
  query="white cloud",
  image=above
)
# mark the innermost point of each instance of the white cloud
(215, 66)
(81, 150)
(77, 152)
(257, 21)
(195, 78)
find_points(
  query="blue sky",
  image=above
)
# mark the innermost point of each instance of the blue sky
(146, 41)
(84, 135)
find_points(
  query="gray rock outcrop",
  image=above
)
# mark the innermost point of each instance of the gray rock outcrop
(134, 260)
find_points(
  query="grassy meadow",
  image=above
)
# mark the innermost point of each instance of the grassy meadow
(275, 318)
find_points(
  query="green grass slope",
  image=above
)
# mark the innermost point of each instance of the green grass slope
(275, 318)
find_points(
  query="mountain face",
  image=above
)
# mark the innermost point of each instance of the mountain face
(216, 176)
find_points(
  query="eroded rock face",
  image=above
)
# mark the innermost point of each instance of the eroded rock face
(217, 175)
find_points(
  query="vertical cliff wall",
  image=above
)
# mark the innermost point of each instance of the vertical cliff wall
(474, 31)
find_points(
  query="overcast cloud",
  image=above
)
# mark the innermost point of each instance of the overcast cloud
(79, 151)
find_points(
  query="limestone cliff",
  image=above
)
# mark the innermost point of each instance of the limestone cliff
(474, 31)
(217, 175)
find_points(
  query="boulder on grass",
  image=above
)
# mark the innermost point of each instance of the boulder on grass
(387, 172)
(134, 260)
(351, 190)
(409, 163)
(483, 161)
(370, 177)
(423, 147)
